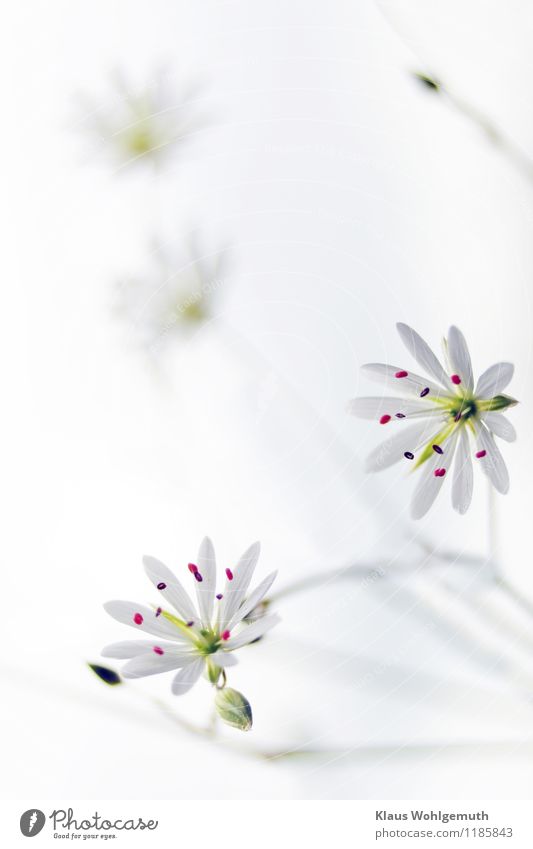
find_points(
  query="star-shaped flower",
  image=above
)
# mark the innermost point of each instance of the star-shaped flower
(142, 124)
(173, 294)
(453, 417)
(192, 640)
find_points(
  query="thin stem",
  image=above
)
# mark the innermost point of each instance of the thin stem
(524, 603)
(356, 570)
(492, 533)
(496, 136)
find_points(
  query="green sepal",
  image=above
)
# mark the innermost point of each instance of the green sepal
(234, 709)
(497, 404)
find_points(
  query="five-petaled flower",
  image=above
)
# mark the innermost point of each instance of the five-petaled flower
(449, 411)
(192, 640)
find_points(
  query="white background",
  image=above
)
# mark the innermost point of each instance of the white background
(351, 198)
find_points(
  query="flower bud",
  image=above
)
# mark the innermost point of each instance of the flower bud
(430, 82)
(108, 676)
(234, 709)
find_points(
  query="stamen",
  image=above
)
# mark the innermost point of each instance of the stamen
(192, 568)
(409, 455)
(457, 418)
(384, 419)
(424, 392)
(159, 611)
(225, 635)
(161, 586)
(158, 650)
(219, 596)
(439, 473)
(229, 574)
(481, 454)
(455, 379)
(401, 374)
(198, 576)
(138, 619)
(437, 449)
(190, 624)
(400, 415)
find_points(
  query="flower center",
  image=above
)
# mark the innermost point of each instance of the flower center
(465, 409)
(209, 641)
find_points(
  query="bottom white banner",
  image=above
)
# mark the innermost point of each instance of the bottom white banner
(269, 823)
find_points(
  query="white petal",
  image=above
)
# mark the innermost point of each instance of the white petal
(124, 611)
(187, 677)
(423, 354)
(236, 589)
(374, 408)
(429, 485)
(492, 463)
(253, 599)
(494, 380)
(154, 664)
(500, 426)
(133, 648)
(205, 589)
(409, 438)
(413, 383)
(252, 632)
(460, 357)
(223, 659)
(174, 592)
(463, 476)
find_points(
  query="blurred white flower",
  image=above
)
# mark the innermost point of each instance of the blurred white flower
(141, 124)
(173, 295)
(193, 640)
(449, 412)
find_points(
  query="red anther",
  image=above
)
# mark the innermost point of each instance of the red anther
(190, 624)
(455, 379)
(219, 596)
(480, 454)
(384, 419)
(198, 576)
(401, 374)
(229, 574)
(159, 611)
(158, 650)
(225, 635)
(192, 568)
(439, 473)
(138, 619)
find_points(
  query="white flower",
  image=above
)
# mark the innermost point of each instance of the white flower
(192, 640)
(173, 295)
(449, 413)
(139, 125)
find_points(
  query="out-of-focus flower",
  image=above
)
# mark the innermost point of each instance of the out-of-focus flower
(193, 640)
(141, 124)
(173, 296)
(449, 413)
